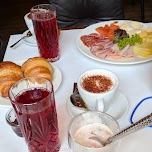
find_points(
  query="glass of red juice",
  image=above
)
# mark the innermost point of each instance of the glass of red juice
(46, 31)
(34, 104)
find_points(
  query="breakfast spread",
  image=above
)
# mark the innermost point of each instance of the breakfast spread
(123, 41)
(11, 72)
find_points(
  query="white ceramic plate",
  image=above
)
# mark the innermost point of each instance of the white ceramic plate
(117, 110)
(86, 50)
(29, 40)
(56, 81)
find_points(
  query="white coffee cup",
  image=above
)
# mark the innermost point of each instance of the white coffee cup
(98, 101)
(29, 23)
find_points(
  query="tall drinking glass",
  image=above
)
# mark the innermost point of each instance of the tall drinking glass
(46, 31)
(34, 104)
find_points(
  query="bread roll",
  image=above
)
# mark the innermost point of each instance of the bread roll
(37, 66)
(9, 74)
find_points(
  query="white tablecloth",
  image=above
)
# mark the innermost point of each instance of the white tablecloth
(135, 83)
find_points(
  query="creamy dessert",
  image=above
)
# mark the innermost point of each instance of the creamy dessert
(83, 134)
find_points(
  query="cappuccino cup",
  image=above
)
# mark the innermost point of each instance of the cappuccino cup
(29, 23)
(97, 88)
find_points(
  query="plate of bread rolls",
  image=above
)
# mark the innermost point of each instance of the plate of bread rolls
(10, 72)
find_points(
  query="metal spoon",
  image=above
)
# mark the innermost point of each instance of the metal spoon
(27, 35)
(142, 123)
(76, 98)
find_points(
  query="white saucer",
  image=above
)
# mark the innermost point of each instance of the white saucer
(117, 110)
(29, 40)
(56, 81)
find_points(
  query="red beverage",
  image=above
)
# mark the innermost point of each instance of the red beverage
(38, 119)
(46, 32)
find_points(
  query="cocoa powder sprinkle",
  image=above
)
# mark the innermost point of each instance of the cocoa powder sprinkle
(97, 83)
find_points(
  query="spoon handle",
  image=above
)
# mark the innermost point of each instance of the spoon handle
(142, 123)
(17, 41)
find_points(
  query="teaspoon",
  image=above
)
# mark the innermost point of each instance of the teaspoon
(142, 123)
(27, 35)
(76, 98)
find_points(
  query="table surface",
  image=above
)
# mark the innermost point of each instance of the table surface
(135, 83)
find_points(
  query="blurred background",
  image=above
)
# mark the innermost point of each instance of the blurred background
(12, 13)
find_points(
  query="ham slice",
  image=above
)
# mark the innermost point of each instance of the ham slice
(101, 49)
(130, 52)
(127, 52)
(91, 39)
(102, 54)
(115, 49)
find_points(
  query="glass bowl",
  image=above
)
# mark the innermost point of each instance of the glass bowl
(89, 118)
(12, 121)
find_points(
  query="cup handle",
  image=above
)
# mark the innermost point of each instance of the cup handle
(100, 104)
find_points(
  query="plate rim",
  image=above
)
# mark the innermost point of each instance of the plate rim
(87, 53)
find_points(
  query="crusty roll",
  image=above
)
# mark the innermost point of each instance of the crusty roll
(37, 66)
(9, 74)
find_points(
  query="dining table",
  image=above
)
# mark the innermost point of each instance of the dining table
(135, 84)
